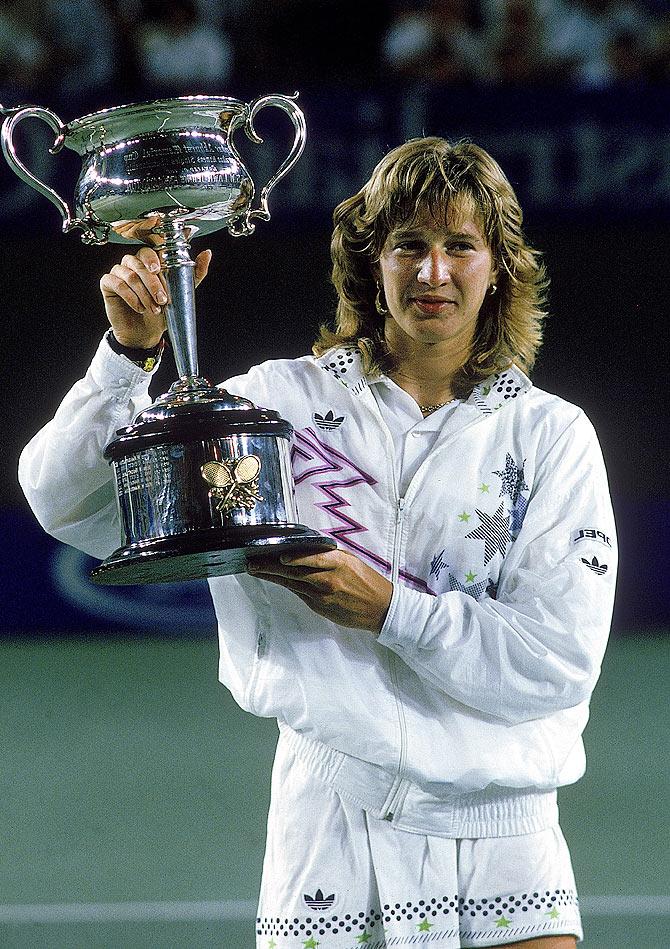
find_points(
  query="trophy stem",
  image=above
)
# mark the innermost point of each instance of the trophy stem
(179, 270)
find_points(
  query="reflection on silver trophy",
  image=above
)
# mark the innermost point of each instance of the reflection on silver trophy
(203, 477)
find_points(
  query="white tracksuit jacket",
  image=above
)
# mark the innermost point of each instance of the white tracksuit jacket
(463, 717)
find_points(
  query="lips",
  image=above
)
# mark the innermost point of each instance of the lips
(432, 305)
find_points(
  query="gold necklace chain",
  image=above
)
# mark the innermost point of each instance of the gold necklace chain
(427, 409)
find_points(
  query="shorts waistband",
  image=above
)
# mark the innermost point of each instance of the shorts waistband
(491, 812)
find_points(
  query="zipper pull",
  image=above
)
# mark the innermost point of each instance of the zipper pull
(401, 508)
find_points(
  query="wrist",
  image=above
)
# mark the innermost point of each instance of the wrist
(144, 357)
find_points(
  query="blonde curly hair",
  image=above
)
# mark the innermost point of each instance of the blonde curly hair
(434, 174)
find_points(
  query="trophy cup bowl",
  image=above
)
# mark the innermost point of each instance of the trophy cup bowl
(203, 477)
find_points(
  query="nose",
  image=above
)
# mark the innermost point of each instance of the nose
(434, 269)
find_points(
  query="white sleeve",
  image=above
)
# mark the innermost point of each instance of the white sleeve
(64, 476)
(537, 647)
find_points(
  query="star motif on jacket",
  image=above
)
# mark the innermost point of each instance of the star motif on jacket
(553, 913)
(465, 517)
(512, 480)
(518, 513)
(475, 590)
(484, 488)
(503, 923)
(424, 926)
(494, 531)
(272, 944)
(311, 943)
(470, 577)
(364, 937)
(438, 564)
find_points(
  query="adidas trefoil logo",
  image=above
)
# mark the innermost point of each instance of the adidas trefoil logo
(599, 568)
(328, 421)
(319, 901)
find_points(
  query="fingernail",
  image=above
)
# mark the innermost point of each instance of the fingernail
(154, 267)
(160, 296)
(155, 309)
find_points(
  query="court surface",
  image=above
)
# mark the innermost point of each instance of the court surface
(134, 792)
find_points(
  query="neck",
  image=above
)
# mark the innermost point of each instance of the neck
(426, 371)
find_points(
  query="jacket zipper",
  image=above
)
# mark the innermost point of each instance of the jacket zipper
(397, 790)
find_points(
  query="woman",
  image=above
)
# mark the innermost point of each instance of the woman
(431, 677)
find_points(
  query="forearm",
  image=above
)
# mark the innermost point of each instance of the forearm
(537, 647)
(64, 476)
(514, 661)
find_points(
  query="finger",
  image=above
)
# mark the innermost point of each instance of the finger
(150, 259)
(202, 262)
(116, 283)
(303, 590)
(324, 561)
(135, 230)
(148, 275)
(269, 569)
(147, 287)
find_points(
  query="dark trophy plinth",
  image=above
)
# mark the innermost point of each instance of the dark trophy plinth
(203, 477)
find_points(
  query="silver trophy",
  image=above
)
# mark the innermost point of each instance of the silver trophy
(203, 477)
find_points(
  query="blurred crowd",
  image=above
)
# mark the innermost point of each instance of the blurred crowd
(82, 50)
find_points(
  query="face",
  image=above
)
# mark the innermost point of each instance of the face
(435, 275)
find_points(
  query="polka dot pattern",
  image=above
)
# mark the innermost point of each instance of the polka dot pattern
(422, 909)
(437, 910)
(508, 905)
(341, 362)
(506, 386)
(318, 925)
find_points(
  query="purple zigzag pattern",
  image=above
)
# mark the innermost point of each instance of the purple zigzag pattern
(328, 460)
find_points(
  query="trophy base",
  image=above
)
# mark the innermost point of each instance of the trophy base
(210, 553)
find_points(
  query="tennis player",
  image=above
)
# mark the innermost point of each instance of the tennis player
(431, 677)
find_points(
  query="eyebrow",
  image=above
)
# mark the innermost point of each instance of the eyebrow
(418, 232)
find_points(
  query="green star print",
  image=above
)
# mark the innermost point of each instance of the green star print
(503, 923)
(311, 943)
(424, 926)
(364, 937)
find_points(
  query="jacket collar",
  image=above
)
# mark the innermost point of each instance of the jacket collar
(344, 364)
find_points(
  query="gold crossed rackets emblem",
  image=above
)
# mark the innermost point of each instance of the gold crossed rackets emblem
(233, 483)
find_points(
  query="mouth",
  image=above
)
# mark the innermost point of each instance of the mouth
(433, 305)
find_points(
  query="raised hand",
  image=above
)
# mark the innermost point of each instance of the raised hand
(134, 295)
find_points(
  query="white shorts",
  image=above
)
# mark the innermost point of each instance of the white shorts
(336, 878)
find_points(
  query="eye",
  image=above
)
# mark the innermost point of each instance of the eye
(461, 246)
(409, 245)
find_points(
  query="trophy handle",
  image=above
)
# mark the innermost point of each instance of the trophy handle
(242, 225)
(93, 233)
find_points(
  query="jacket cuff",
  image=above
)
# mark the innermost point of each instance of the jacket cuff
(111, 370)
(406, 619)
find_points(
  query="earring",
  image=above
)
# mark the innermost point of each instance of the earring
(493, 288)
(382, 310)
